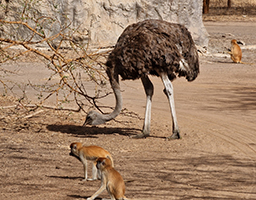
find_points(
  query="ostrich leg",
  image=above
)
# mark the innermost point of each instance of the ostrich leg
(149, 90)
(169, 93)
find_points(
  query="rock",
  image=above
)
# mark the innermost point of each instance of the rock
(102, 21)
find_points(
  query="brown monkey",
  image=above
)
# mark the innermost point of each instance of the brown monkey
(84, 153)
(110, 180)
(236, 52)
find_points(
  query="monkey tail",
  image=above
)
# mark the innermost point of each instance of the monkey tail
(112, 161)
(246, 63)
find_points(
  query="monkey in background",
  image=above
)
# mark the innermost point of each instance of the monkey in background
(110, 180)
(236, 52)
(84, 153)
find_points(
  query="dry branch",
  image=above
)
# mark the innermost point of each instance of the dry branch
(58, 61)
(33, 114)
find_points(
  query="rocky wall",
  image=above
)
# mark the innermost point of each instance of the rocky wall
(102, 21)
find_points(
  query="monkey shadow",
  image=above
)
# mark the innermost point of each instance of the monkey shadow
(66, 177)
(72, 178)
(226, 62)
(82, 197)
(223, 62)
(91, 131)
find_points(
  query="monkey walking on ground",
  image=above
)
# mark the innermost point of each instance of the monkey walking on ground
(110, 180)
(84, 153)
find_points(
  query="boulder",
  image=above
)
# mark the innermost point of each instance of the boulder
(100, 22)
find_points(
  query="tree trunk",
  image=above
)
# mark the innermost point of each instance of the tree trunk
(229, 3)
(206, 5)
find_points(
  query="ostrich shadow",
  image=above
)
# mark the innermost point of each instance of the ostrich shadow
(93, 131)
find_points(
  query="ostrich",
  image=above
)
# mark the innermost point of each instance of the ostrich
(150, 47)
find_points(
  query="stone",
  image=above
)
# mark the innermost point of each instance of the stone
(100, 22)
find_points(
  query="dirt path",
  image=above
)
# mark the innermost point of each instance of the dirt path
(215, 159)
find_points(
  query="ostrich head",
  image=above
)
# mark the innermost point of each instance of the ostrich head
(94, 118)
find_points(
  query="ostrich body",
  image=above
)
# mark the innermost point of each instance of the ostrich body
(150, 47)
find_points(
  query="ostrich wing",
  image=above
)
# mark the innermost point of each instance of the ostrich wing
(155, 46)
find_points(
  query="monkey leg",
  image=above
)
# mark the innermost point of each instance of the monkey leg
(94, 171)
(111, 197)
(169, 93)
(84, 161)
(96, 174)
(102, 188)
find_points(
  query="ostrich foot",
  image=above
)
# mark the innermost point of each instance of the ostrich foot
(141, 135)
(90, 179)
(174, 136)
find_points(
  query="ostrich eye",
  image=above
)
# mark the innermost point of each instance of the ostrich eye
(89, 117)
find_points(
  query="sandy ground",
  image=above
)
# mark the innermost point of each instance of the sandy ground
(215, 159)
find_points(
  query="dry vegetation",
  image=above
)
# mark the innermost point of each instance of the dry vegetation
(69, 62)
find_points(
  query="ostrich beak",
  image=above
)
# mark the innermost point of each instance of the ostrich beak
(87, 121)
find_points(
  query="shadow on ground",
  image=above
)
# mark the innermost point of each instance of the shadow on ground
(199, 177)
(91, 131)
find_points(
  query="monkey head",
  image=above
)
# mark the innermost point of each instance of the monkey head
(74, 149)
(102, 163)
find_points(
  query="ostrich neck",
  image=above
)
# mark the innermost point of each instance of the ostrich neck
(116, 89)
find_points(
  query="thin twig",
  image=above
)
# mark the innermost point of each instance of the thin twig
(33, 114)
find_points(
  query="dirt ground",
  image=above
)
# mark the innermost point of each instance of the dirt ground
(215, 159)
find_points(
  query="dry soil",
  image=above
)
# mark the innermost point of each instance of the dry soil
(215, 159)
